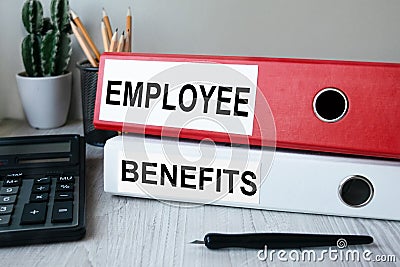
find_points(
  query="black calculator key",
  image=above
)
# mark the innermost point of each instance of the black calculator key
(34, 213)
(43, 197)
(42, 180)
(64, 187)
(8, 199)
(16, 175)
(64, 196)
(9, 190)
(6, 209)
(12, 181)
(40, 188)
(5, 220)
(62, 212)
(66, 179)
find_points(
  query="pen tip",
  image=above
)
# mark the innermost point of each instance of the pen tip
(197, 242)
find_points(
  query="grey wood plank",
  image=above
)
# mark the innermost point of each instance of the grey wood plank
(123, 231)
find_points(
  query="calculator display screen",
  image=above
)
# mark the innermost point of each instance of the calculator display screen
(57, 147)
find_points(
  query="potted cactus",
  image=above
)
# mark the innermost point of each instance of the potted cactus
(45, 85)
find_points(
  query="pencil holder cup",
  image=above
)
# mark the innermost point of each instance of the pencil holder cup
(89, 76)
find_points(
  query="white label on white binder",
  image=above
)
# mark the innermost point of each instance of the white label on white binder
(198, 96)
(195, 178)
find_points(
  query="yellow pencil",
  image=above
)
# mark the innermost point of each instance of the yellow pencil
(83, 45)
(85, 34)
(107, 24)
(104, 36)
(121, 43)
(113, 44)
(129, 28)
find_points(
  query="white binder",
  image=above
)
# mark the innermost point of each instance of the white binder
(286, 181)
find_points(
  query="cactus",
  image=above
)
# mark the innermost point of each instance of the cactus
(46, 50)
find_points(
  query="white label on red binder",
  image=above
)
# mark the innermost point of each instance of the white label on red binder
(199, 172)
(199, 96)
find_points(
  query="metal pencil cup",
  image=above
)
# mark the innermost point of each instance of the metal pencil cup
(89, 76)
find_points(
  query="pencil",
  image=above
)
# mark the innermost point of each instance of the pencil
(107, 24)
(104, 36)
(85, 34)
(83, 45)
(127, 43)
(129, 28)
(113, 44)
(121, 43)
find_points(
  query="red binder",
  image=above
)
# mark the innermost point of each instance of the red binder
(319, 105)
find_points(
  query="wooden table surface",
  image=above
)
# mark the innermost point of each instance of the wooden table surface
(123, 231)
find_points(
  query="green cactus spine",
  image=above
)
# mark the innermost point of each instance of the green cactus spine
(55, 52)
(31, 55)
(46, 51)
(32, 18)
(56, 45)
(59, 10)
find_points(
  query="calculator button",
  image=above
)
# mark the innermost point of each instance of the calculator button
(8, 199)
(62, 212)
(34, 213)
(41, 188)
(42, 180)
(64, 196)
(64, 187)
(9, 190)
(44, 197)
(12, 181)
(6, 209)
(66, 179)
(15, 175)
(5, 220)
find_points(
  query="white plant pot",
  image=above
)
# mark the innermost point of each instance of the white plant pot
(45, 100)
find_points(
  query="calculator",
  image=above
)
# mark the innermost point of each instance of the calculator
(42, 189)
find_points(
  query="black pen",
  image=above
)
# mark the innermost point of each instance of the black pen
(280, 240)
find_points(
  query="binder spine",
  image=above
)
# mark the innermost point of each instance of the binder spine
(295, 182)
(317, 105)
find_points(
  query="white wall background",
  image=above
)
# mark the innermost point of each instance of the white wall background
(364, 30)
